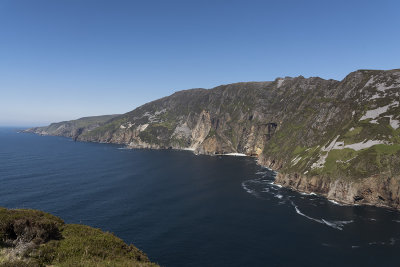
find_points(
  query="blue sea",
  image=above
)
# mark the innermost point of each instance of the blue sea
(183, 209)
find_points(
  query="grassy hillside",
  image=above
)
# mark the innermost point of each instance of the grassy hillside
(35, 238)
(73, 128)
(334, 131)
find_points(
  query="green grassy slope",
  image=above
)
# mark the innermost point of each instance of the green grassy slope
(35, 238)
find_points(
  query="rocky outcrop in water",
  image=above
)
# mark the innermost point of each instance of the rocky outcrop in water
(344, 131)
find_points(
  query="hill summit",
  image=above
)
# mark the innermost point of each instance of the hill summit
(340, 139)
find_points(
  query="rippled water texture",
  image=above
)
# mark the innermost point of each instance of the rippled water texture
(188, 210)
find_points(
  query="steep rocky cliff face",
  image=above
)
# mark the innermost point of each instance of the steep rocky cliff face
(225, 119)
(317, 133)
(377, 190)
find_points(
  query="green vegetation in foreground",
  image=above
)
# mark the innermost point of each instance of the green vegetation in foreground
(35, 238)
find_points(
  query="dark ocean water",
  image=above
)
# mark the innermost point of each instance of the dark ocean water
(188, 210)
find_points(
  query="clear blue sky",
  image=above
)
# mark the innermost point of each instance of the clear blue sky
(66, 59)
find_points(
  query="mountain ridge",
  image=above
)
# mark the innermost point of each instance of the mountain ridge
(72, 128)
(340, 139)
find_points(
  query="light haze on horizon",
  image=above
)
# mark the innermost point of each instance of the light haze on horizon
(66, 59)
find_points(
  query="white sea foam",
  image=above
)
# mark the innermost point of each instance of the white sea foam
(248, 190)
(337, 224)
(308, 217)
(336, 203)
(247, 186)
(308, 194)
(258, 181)
(279, 196)
(392, 242)
(277, 185)
(274, 172)
(334, 224)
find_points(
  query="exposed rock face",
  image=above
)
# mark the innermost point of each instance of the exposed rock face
(376, 190)
(345, 130)
(201, 130)
(222, 120)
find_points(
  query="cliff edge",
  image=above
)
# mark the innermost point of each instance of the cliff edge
(311, 130)
(35, 238)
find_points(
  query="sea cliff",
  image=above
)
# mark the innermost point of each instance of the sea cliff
(341, 138)
(379, 191)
